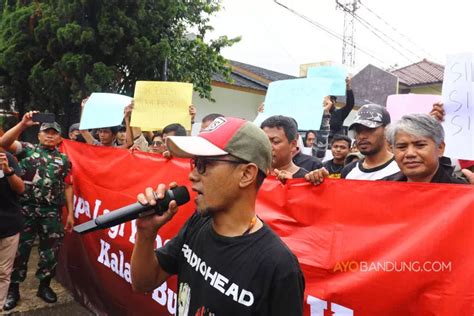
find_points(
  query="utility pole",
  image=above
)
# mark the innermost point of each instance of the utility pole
(348, 41)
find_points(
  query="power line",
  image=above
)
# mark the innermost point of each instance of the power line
(348, 50)
(398, 32)
(374, 30)
(267, 30)
(327, 30)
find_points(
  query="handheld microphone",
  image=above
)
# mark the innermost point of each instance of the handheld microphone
(132, 211)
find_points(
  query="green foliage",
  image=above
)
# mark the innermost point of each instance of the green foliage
(55, 53)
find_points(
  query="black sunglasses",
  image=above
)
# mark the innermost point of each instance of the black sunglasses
(200, 163)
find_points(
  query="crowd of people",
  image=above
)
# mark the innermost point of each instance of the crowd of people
(231, 158)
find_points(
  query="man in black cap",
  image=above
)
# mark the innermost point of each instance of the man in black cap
(45, 169)
(369, 126)
(75, 133)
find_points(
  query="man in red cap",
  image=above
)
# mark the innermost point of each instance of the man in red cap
(228, 261)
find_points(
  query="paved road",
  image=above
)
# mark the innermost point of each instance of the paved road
(30, 304)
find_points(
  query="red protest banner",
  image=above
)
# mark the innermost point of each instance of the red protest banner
(366, 248)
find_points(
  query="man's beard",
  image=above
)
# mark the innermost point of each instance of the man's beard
(372, 151)
(207, 211)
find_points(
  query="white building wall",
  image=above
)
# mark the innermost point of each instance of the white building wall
(229, 102)
(350, 118)
(237, 103)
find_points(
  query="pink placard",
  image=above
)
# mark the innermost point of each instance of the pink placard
(402, 104)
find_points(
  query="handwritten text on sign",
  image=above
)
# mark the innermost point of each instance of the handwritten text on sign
(158, 104)
(458, 94)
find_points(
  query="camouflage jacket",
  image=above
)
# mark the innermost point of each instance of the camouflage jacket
(44, 171)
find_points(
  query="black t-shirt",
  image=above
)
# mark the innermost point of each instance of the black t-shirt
(333, 169)
(307, 162)
(11, 221)
(300, 173)
(254, 274)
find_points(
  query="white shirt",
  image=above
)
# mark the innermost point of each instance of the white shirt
(358, 172)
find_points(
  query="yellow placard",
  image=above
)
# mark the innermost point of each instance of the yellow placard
(159, 103)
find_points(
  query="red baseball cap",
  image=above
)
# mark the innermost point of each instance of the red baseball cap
(226, 136)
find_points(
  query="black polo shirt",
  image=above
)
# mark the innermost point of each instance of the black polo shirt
(11, 221)
(442, 175)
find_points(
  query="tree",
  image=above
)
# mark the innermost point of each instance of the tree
(54, 53)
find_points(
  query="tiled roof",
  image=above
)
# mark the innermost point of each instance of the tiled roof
(240, 81)
(269, 75)
(422, 73)
(248, 76)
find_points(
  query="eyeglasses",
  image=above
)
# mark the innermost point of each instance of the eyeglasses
(156, 143)
(200, 163)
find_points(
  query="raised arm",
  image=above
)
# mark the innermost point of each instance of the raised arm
(85, 133)
(147, 274)
(350, 101)
(87, 136)
(339, 115)
(8, 139)
(9, 167)
(192, 113)
(321, 144)
(438, 111)
(129, 132)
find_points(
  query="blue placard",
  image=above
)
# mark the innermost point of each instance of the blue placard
(301, 99)
(103, 110)
(335, 73)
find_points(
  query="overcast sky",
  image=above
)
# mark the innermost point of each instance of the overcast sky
(274, 38)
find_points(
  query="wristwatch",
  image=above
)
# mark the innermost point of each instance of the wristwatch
(9, 174)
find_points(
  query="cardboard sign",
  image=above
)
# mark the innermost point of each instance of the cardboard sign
(103, 110)
(301, 99)
(335, 73)
(158, 104)
(458, 94)
(403, 104)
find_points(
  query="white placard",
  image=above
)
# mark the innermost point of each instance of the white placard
(458, 95)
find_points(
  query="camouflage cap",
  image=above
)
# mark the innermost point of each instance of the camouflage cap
(54, 126)
(371, 116)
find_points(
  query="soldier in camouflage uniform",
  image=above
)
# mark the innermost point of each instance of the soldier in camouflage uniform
(46, 191)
